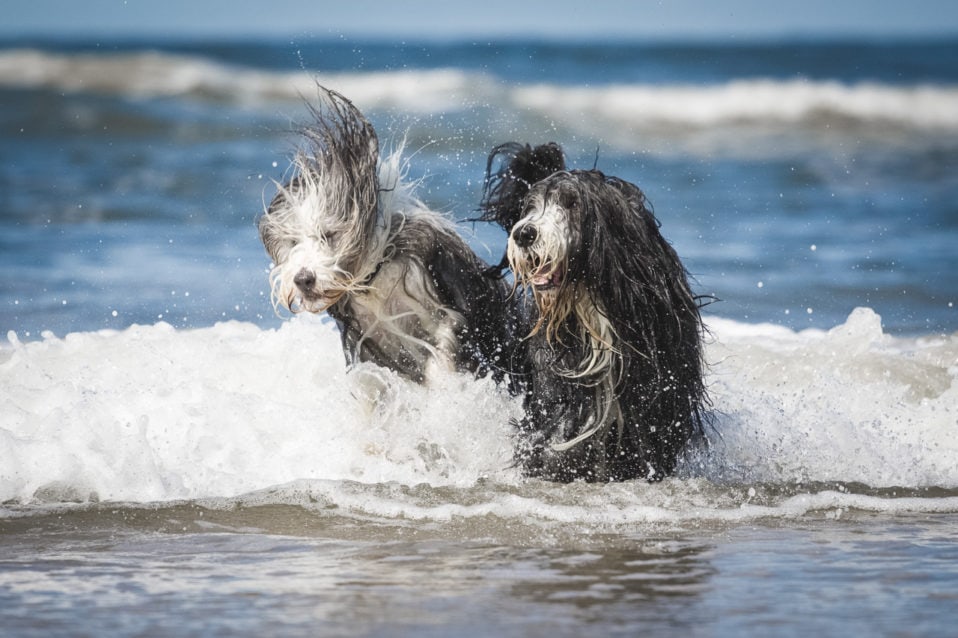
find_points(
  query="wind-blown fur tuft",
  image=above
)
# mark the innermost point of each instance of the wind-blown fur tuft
(347, 236)
(520, 166)
(615, 347)
(504, 191)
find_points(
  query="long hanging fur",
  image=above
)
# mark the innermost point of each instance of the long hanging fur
(347, 236)
(615, 347)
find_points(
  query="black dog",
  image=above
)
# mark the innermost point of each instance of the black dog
(616, 388)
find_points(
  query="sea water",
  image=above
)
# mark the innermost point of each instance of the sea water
(175, 458)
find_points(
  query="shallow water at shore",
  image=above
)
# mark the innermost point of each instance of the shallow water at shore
(289, 570)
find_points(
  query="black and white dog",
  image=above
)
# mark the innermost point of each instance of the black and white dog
(347, 235)
(616, 388)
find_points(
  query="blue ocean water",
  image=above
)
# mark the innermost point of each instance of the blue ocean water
(175, 459)
(797, 181)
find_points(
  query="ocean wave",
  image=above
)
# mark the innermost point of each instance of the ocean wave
(757, 101)
(154, 414)
(689, 501)
(161, 414)
(153, 74)
(434, 91)
(851, 404)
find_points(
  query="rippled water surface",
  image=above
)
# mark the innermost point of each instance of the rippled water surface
(250, 570)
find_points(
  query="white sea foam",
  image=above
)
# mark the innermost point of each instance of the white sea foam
(614, 505)
(435, 91)
(151, 413)
(851, 404)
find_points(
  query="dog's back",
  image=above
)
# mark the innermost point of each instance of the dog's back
(429, 308)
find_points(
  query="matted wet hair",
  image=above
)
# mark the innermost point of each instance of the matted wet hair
(616, 387)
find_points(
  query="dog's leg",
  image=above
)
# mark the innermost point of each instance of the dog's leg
(370, 386)
(443, 359)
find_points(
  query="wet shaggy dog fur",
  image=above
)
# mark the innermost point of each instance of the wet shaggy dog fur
(615, 388)
(347, 236)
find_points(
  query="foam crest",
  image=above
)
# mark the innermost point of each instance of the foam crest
(152, 413)
(851, 404)
(154, 74)
(436, 91)
(743, 101)
(612, 507)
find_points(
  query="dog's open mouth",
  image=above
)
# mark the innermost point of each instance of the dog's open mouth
(543, 279)
(313, 302)
(546, 282)
(539, 272)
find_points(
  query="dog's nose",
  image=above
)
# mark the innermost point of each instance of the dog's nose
(524, 235)
(305, 279)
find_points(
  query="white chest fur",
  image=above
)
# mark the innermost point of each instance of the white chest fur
(402, 315)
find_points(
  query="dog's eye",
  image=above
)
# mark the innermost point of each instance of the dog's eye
(330, 237)
(569, 200)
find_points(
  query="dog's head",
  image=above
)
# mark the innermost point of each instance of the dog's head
(547, 236)
(320, 229)
(581, 236)
(548, 245)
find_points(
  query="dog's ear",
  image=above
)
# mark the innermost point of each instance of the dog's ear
(546, 159)
(520, 166)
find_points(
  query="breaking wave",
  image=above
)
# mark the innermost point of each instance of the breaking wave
(432, 91)
(238, 414)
